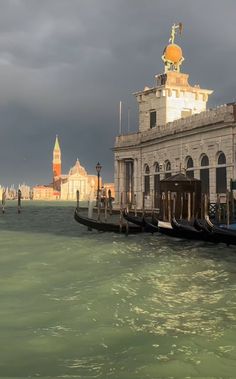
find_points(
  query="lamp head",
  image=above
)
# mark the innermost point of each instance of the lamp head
(98, 167)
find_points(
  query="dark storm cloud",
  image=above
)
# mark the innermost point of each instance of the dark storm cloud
(65, 65)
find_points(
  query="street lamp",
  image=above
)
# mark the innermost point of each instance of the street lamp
(98, 169)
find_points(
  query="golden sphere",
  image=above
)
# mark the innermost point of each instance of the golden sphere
(173, 53)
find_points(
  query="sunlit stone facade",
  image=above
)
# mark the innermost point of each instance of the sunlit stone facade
(175, 133)
(78, 179)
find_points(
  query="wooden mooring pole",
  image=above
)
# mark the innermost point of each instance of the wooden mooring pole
(218, 208)
(77, 200)
(135, 205)
(19, 201)
(121, 211)
(105, 206)
(169, 205)
(143, 205)
(3, 201)
(227, 209)
(189, 206)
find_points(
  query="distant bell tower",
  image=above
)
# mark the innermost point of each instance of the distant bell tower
(56, 163)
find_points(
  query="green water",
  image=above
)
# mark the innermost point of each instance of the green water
(79, 304)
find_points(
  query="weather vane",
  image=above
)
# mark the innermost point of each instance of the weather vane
(174, 29)
(172, 55)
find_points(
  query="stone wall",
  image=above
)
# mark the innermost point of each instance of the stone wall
(207, 133)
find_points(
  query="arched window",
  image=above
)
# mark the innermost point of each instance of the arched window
(204, 174)
(189, 167)
(167, 169)
(146, 180)
(221, 174)
(156, 185)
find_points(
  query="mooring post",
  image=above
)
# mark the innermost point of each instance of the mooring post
(174, 205)
(121, 211)
(181, 205)
(227, 209)
(105, 206)
(232, 206)
(169, 206)
(202, 205)
(163, 198)
(205, 205)
(189, 206)
(194, 206)
(218, 208)
(99, 206)
(19, 201)
(135, 205)
(109, 202)
(143, 205)
(3, 201)
(152, 200)
(77, 200)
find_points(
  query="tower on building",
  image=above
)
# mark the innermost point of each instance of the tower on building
(56, 163)
(172, 97)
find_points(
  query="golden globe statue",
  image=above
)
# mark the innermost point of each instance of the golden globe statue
(172, 54)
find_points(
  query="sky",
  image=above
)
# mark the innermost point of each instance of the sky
(66, 64)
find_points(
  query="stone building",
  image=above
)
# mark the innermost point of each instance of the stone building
(45, 192)
(78, 179)
(64, 187)
(176, 133)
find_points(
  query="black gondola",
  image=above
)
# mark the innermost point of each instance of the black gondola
(218, 234)
(141, 221)
(107, 226)
(190, 232)
(137, 220)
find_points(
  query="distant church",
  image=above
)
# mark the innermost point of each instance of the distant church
(176, 133)
(64, 187)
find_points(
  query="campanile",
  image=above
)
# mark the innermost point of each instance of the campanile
(56, 163)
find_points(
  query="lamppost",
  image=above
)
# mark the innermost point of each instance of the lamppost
(98, 169)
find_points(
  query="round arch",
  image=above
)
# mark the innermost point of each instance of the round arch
(205, 173)
(167, 169)
(221, 173)
(189, 166)
(146, 180)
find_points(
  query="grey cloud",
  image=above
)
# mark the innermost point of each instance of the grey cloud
(65, 65)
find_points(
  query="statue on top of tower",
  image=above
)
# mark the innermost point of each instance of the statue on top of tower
(172, 54)
(174, 28)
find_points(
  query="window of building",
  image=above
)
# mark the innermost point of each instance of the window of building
(156, 185)
(204, 174)
(189, 166)
(147, 181)
(153, 119)
(221, 174)
(167, 169)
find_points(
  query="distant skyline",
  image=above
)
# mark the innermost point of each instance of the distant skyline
(66, 65)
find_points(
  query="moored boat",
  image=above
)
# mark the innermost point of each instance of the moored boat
(222, 234)
(103, 226)
(141, 221)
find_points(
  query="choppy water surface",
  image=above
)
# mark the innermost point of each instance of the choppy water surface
(79, 304)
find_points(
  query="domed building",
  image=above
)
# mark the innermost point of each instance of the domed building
(78, 179)
(64, 187)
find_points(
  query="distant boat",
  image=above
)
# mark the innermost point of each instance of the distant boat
(126, 228)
